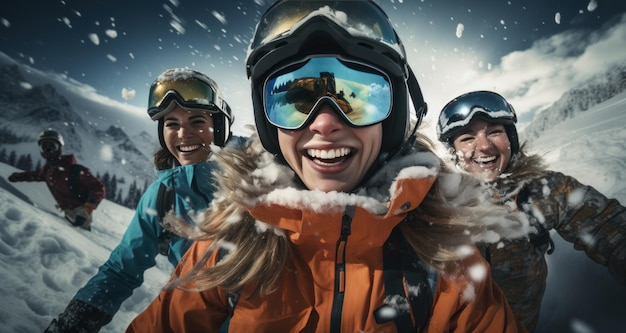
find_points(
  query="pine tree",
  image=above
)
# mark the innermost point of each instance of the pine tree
(20, 163)
(25, 162)
(3, 155)
(132, 194)
(118, 198)
(12, 158)
(106, 182)
(112, 188)
(146, 184)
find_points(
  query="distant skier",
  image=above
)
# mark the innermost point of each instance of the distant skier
(76, 191)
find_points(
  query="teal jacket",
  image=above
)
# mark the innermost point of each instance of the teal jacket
(124, 270)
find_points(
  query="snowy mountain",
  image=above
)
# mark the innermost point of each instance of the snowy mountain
(102, 136)
(43, 260)
(597, 90)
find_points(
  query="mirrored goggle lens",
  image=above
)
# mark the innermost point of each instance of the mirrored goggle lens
(189, 92)
(460, 111)
(362, 93)
(360, 18)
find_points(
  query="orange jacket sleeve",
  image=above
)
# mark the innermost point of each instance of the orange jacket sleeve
(181, 311)
(470, 301)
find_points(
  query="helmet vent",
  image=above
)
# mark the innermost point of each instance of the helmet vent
(366, 45)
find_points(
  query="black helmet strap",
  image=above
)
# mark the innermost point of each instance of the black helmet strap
(421, 108)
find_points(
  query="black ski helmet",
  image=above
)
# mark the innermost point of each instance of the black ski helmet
(54, 151)
(50, 134)
(457, 114)
(192, 90)
(292, 30)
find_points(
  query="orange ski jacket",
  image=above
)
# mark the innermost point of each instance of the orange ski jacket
(335, 274)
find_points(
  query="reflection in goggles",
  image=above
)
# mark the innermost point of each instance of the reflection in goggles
(189, 92)
(460, 111)
(292, 94)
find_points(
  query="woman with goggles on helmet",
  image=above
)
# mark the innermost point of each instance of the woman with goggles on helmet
(333, 217)
(479, 128)
(191, 116)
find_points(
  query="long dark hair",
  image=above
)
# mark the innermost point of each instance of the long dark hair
(164, 160)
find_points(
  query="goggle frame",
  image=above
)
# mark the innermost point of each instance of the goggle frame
(338, 100)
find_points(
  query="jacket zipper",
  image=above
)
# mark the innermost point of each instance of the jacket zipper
(340, 269)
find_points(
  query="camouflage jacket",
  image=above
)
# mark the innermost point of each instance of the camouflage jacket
(552, 201)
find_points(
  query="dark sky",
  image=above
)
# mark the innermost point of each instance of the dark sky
(137, 40)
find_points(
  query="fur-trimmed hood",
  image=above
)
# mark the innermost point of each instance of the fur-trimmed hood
(250, 181)
(253, 176)
(253, 179)
(522, 169)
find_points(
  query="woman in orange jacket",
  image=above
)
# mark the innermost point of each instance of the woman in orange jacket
(334, 218)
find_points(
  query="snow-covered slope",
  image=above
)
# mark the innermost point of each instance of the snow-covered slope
(44, 261)
(581, 296)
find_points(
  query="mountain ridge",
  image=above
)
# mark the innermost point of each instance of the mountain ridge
(598, 89)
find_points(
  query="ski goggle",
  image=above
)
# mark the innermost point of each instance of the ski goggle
(189, 92)
(292, 95)
(366, 19)
(459, 112)
(49, 146)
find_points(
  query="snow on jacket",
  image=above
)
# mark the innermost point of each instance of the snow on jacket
(303, 299)
(124, 270)
(552, 201)
(56, 174)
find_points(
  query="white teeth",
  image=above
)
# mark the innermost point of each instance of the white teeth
(328, 154)
(188, 148)
(485, 159)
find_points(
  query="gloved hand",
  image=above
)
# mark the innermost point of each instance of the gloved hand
(13, 177)
(79, 317)
(79, 220)
(89, 207)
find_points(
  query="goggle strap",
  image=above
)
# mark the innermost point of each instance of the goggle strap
(420, 112)
(416, 97)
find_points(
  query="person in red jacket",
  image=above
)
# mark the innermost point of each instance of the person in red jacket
(76, 191)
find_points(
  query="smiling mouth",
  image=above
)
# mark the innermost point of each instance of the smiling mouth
(329, 157)
(484, 159)
(189, 148)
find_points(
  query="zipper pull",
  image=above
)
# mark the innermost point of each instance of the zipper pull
(346, 222)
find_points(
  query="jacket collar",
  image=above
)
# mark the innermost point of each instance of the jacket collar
(397, 188)
(183, 176)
